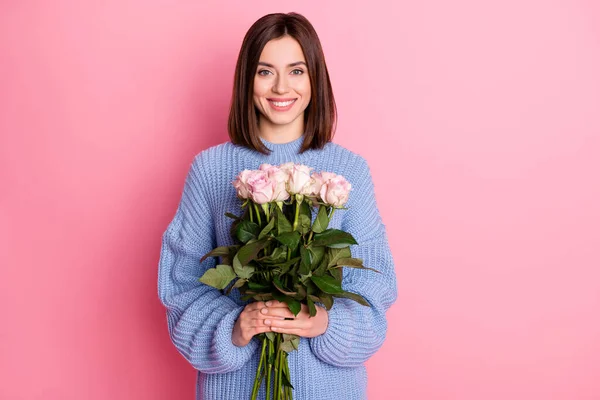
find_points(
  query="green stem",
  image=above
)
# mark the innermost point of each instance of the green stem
(296, 216)
(289, 252)
(277, 385)
(257, 214)
(280, 373)
(269, 368)
(258, 379)
(288, 390)
(250, 212)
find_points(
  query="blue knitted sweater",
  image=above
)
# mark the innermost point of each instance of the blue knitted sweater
(200, 318)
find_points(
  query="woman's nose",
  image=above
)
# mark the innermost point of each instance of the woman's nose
(281, 85)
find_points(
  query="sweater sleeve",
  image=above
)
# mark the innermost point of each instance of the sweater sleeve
(355, 332)
(200, 319)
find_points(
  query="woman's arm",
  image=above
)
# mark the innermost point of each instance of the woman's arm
(356, 332)
(200, 319)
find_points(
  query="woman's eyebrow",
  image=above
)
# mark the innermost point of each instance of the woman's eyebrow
(294, 64)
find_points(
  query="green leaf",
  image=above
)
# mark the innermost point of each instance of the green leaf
(267, 229)
(327, 284)
(282, 223)
(322, 268)
(278, 253)
(217, 252)
(262, 297)
(336, 273)
(334, 238)
(238, 284)
(246, 230)
(352, 263)
(301, 290)
(250, 251)
(312, 310)
(237, 265)
(218, 277)
(277, 256)
(293, 304)
(270, 336)
(306, 208)
(306, 260)
(303, 224)
(228, 259)
(353, 296)
(232, 216)
(322, 220)
(286, 266)
(290, 343)
(290, 239)
(349, 261)
(336, 254)
(279, 286)
(259, 287)
(317, 255)
(242, 271)
(327, 300)
(305, 278)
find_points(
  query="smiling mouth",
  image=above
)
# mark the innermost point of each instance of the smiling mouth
(282, 103)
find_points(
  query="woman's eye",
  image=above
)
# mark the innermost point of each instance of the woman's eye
(297, 72)
(264, 72)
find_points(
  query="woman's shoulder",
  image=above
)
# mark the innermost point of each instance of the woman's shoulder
(214, 154)
(350, 159)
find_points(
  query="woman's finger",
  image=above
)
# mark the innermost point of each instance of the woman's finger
(260, 329)
(257, 305)
(275, 303)
(286, 324)
(289, 331)
(277, 312)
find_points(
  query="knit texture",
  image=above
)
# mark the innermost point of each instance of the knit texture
(201, 319)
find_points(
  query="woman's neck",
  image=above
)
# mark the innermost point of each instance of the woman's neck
(276, 133)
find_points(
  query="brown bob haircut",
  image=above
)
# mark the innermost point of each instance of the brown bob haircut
(320, 114)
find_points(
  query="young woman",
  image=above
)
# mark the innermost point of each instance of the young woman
(283, 110)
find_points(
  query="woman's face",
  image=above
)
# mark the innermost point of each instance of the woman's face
(281, 84)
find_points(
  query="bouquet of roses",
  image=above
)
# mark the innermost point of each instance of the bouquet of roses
(282, 254)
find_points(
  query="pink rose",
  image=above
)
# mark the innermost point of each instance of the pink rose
(335, 191)
(299, 178)
(261, 187)
(318, 179)
(278, 179)
(287, 166)
(241, 184)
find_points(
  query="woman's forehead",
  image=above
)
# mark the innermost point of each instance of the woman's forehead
(282, 52)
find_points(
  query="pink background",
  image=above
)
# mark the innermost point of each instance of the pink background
(480, 121)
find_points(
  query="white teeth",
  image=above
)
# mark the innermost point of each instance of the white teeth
(283, 103)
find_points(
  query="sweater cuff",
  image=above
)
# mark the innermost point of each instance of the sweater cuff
(227, 353)
(335, 344)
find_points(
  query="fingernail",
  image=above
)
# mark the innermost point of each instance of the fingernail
(267, 322)
(264, 311)
(268, 304)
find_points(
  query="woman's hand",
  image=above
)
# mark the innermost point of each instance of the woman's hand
(260, 317)
(302, 325)
(252, 320)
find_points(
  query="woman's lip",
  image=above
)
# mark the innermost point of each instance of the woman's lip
(279, 100)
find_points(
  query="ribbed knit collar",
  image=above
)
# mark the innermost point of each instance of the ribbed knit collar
(281, 152)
